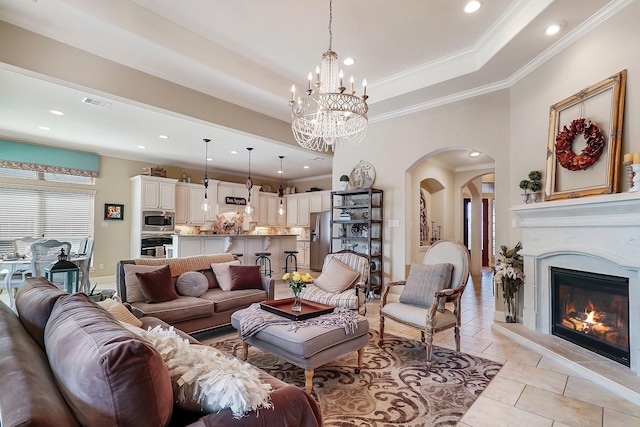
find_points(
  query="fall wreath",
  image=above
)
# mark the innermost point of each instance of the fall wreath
(565, 155)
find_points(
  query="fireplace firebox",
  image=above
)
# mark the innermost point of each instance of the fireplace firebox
(592, 311)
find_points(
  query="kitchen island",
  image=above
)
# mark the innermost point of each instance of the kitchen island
(245, 244)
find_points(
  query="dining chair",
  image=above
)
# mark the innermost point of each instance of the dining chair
(44, 254)
(429, 300)
(86, 249)
(22, 247)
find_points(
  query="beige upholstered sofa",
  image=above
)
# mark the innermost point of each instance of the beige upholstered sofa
(188, 313)
(65, 361)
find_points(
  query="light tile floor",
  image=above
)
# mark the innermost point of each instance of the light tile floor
(530, 390)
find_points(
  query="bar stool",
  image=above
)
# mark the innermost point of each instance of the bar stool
(263, 260)
(291, 256)
(238, 256)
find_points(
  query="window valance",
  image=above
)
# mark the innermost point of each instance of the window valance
(39, 158)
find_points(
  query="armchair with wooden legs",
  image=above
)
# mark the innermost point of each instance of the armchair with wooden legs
(435, 310)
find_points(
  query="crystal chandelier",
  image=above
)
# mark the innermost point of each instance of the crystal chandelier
(205, 181)
(329, 115)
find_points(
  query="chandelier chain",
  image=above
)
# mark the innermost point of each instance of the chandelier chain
(330, 21)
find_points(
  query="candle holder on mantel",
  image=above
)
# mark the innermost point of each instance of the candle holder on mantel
(636, 178)
(628, 168)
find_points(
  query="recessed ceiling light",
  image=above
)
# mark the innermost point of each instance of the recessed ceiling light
(163, 137)
(554, 28)
(474, 153)
(306, 166)
(233, 152)
(280, 171)
(56, 112)
(142, 147)
(349, 61)
(209, 159)
(472, 6)
(44, 128)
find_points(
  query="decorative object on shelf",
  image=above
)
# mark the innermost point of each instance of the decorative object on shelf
(508, 275)
(281, 189)
(628, 168)
(565, 155)
(532, 184)
(356, 230)
(329, 115)
(113, 211)
(297, 282)
(249, 209)
(363, 175)
(265, 188)
(157, 171)
(435, 233)
(603, 141)
(344, 182)
(205, 181)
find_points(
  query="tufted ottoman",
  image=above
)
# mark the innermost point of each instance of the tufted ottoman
(308, 347)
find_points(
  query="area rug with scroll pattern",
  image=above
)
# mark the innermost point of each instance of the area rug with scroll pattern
(392, 389)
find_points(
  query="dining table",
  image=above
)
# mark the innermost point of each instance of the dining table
(24, 263)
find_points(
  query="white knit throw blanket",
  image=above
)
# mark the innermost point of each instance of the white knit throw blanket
(254, 319)
(209, 377)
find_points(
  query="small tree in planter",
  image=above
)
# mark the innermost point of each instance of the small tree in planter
(344, 182)
(533, 184)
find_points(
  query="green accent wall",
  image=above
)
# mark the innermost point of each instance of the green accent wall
(48, 156)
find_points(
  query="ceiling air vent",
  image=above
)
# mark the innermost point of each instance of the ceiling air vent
(96, 102)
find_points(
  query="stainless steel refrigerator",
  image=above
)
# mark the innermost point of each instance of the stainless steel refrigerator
(320, 239)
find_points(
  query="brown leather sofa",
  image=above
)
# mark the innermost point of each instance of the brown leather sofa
(194, 314)
(65, 361)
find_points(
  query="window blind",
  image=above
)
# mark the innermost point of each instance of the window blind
(48, 213)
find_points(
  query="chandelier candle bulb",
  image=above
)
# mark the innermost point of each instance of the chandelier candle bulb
(351, 82)
(364, 87)
(310, 77)
(293, 93)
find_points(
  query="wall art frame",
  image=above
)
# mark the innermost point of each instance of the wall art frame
(602, 104)
(113, 212)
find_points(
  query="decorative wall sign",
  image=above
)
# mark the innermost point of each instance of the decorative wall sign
(229, 200)
(585, 134)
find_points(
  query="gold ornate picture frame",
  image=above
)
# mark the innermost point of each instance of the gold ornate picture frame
(603, 105)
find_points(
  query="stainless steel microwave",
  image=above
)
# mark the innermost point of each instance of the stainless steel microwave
(158, 221)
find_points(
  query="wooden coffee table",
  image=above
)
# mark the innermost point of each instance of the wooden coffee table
(307, 347)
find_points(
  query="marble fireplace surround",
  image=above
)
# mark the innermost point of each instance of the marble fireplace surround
(599, 234)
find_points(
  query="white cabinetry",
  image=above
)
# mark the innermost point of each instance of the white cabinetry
(303, 255)
(298, 209)
(156, 192)
(319, 201)
(268, 209)
(189, 198)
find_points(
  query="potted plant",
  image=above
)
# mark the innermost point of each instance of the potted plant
(524, 184)
(533, 184)
(508, 275)
(344, 182)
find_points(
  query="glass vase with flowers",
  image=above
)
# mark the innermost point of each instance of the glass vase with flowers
(508, 275)
(297, 282)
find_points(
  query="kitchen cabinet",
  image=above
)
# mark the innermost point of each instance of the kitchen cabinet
(298, 209)
(268, 209)
(155, 192)
(231, 189)
(302, 246)
(189, 198)
(319, 201)
(356, 224)
(148, 193)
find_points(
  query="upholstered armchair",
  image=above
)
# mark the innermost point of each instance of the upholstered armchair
(342, 282)
(429, 300)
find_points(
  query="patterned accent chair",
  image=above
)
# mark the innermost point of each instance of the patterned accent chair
(428, 317)
(354, 297)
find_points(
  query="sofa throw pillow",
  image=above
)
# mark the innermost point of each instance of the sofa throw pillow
(131, 282)
(223, 275)
(157, 286)
(192, 284)
(337, 277)
(120, 312)
(424, 281)
(245, 277)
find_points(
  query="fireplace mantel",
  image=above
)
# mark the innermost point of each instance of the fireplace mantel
(598, 234)
(604, 211)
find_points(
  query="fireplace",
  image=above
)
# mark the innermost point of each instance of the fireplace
(592, 311)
